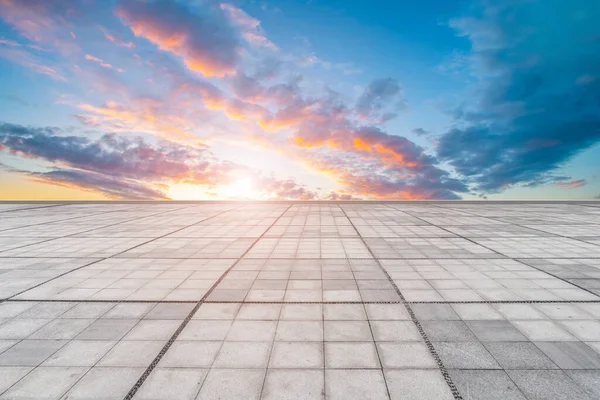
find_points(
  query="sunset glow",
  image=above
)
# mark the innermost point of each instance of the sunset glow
(304, 100)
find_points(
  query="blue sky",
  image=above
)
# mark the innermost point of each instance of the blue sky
(295, 99)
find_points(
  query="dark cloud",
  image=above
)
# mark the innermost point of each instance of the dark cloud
(382, 99)
(110, 154)
(420, 132)
(537, 103)
(113, 188)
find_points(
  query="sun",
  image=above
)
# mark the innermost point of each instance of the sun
(241, 189)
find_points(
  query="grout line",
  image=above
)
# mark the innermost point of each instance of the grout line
(325, 259)
(387, 389)
(78, 268)
(533, 266)
(458, 235)
(181, 327)
(34, 208)
(558, 277)
(4, 231)
(546, 234)
(301, 302)
(176, 230)
(428, 343)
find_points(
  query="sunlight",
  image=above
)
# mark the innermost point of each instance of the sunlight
(242, 189)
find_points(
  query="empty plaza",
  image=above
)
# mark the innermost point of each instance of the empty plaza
(300, 300)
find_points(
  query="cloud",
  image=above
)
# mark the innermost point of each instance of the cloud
(8, 42)
(381, 100)
(364, 159)
(536, 103)
(572, 184)
(206, 38)
(287, 189)
(25, 58)
(113, 155)
(420, 132)
(131, 167)
(89, 181)
(111, 38)
(42, 21)
(102, 62)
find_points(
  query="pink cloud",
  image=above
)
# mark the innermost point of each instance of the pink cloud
(208, 43)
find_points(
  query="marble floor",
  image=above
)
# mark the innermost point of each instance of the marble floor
(300, 300)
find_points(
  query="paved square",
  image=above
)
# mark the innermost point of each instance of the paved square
(288, 300)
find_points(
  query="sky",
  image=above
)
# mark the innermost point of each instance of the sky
(299, 99)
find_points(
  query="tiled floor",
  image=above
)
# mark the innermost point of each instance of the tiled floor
(354, 300)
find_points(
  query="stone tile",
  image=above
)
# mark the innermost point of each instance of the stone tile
(47, 310)
(88, 310)
(102, 383)
(297, 355)
(519, 311)
(386, 312)
(417, 384)
(347, 331)
(243, 355)
(299, 331)
(10, 375)
(62, 329)
(294, 384)
(495, 331)
(588, 380)
(476, 312)
(191, 354)
(170, 311)
(172, 383)
(30, 352)
(571, 355)
(448, 331)
(129, 311)
(395, 331)
(153, 330)
(302, 312)
(406, 355)
(107, 329)
(351, 355)
(262, 312)
(543, 385)
(543, 331)
(131, 354)
(21, 328)
(232, 384)
(485, 385)
(45, 382)
(79, 353)
(465, 355)
(586, 330)
(217, 311)
(346, 384)
(10, 310)
(519, 355)
(252, 331)
(205, 330)
(7, 344)
(344, 312)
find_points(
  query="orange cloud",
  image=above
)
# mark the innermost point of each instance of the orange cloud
(208, 43)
